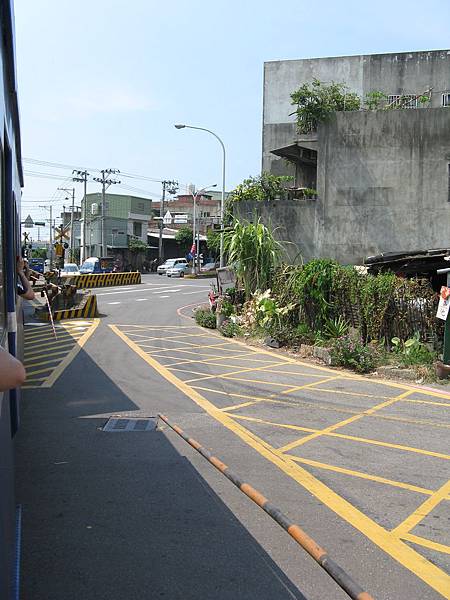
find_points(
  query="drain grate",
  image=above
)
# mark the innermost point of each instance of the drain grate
(115, 424)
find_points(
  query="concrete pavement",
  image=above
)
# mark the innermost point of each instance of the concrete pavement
(140, 515)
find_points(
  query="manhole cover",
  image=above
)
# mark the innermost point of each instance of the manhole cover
(115, 424)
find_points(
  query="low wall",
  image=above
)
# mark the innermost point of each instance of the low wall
(104, 279)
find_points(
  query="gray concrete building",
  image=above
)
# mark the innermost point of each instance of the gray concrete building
(382, 177)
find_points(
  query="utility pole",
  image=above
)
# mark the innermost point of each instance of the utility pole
(50, 252)
(171, 187)
(106, 182)
(72, 237)
(81, 177)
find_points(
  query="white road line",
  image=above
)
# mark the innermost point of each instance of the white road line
(164, 296)
(137, 290)
(182, 284)
(142, 299)
(114, 303)
(196, 292)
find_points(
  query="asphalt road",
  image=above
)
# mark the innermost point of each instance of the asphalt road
(361, 465)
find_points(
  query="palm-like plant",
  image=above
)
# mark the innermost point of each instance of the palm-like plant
(254, 252)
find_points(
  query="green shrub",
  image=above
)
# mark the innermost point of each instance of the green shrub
(205, 318)
(230, 329)
(413, 351)
(336, 328)
(351, 353)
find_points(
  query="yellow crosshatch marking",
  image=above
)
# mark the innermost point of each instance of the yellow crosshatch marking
(272, 399)
(45, 354)
(395, 542)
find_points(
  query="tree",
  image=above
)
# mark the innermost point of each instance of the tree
(213, 241)
(39, 253)
(262, 187)
(135, 245)
(183, 238)
(317, 101)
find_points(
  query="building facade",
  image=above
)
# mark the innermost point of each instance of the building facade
(125, 217)
(382, 177)
(207, 211)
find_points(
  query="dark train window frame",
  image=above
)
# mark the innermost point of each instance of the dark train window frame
(3, 328)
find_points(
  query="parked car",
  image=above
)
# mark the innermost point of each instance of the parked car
(70, 269)
(37, 264)
(211, 266)
(171, 262)
(97, 265)
(177, 270)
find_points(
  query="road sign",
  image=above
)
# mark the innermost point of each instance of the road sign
(39, 223)
(28, 223)
(59, 250)
(62, 233)
(180, 219)
(167, 218)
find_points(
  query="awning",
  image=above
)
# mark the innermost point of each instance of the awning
(300, 151)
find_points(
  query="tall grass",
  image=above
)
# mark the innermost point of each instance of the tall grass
(254, 253)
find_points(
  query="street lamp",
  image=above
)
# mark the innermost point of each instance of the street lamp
(194, 228)
(222, 202)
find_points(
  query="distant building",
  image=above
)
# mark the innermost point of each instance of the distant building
(125, 217)
(382, 177)
(207, 211)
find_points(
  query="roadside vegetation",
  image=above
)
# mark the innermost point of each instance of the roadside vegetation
(358, 321)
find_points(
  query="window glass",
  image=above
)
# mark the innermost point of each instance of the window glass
(137, 229)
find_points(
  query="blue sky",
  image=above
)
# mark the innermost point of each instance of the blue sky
(101, 83)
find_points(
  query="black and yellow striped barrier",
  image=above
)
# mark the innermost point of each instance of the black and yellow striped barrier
(104, 279)
(307, 543)
(86, 308)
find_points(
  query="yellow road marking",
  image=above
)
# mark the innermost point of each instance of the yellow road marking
(361, 475)
(409, 558)
(351, 393)
(158, 327)
(29, 363)
(69, 358)
(48, 331)
(28, 354)
(331, 428)
(38, 371)
(188, 344)
(172, 337)
(422, 511)
(238, 406)
(300, 402)
(309, 385)
(216, 357)
(447, 404)
(159, 349)
(228, 376)
(426, 543)
(65, 352)
(33, 341)
(343, 436)
(50, 344)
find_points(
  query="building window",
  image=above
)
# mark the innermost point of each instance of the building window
(403, 100)
(140, 205)
(137, 229)
(446, 99)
